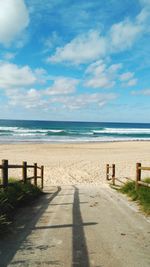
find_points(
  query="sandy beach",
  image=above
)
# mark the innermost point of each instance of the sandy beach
(79, 163)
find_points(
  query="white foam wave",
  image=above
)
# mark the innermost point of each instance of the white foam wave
(3, 128)
(89, 140)
(62, 139)
(28, 130)
(37, 130)
(123, 131)
(29, 134)
(56, 131)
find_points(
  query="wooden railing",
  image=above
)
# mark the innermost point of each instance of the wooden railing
(5, 166)
(111, 175)
(139, 168)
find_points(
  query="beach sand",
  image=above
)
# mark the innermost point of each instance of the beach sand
(67, 164)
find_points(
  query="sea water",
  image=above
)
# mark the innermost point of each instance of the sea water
(13, 131)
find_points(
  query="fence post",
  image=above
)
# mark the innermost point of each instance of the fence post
(5, 173)
(35, 174)
(113, 174)
(42, 177)
(24, 171)
(107, 171)
(138, 175)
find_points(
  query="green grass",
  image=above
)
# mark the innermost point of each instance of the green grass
(141, 195)
(15, 196)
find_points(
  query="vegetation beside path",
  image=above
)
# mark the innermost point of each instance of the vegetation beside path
(141, 195)
(15, 196)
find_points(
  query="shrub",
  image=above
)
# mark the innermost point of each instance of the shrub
(16, 195)
(141, 195)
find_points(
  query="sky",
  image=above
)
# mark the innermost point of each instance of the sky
(83, 60)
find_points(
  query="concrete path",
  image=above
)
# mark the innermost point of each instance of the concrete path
(84, 226)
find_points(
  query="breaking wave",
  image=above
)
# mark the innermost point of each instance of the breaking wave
(69, 132)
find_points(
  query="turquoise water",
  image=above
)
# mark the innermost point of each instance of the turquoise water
(54, 131)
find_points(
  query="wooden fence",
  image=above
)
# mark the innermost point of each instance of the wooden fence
(5, 166)
(111, 175)
(139, 168)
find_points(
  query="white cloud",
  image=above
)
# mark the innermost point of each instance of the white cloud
(145, 92)
(132, 82)
(14, 18)
(17, 82)
(40, 75)
(13, 76)
(99, 67)
(92, 45)
(145, 2)
(84, 48)
(62, 85)
(100, 82)
(101, 76)
(27, 99)
(96, 68)
(33, 99)
(126, 76)
(53, 40)
(84, 100)
(115, 67)
(143, 16)
(122, 35)
(128, 79)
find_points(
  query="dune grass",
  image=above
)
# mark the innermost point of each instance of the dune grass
(15, 196)
(141, 195)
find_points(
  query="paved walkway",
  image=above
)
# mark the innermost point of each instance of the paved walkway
(84, 226)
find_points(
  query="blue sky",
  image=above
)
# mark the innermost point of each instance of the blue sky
(86, 60)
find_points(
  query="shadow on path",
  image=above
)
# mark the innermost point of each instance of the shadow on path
(80, 256)
(62, 226)
(25, 223)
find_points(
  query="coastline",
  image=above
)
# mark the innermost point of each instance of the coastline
(71, 142)
(79, 163)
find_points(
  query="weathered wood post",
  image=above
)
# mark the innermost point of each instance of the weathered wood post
(42, 177)
(107, 171)
(113, 174)
(5, 173)
(35, 174)
(24, 171)
(138, 175)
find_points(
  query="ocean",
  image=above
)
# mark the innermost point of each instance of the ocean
(14, 131)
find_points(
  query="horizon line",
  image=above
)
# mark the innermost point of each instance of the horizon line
(74, 121)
